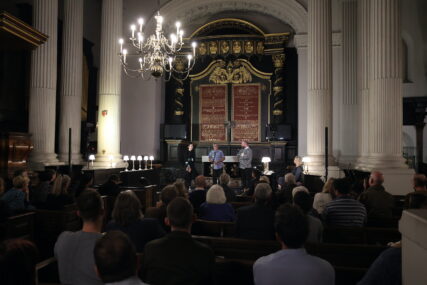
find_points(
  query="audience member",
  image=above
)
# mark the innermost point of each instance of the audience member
(167, 194)
(417, 201)
(419, 185)
(386, 269)
(224, 180)
(292, 264)
(17, 197)
(216, 207)
(74, 250)
(44, 187)
(378, 202)
(86, 180)
(198, 196)
(59, 196)
(111, 187)
(324, 197)
(177, 258)
(182, 190)
(315, 227)
(257, 221)
(284, 195)
(253, 182)
(18, 259)
(298, 189)
(298, 171)
(128, 218)
(344, 210)
(116, 260)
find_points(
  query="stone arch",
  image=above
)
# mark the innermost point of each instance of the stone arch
(290, 11)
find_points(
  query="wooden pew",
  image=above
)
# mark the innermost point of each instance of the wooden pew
(145, 195)
(365, 235)
(50, 224)
(18, 226)
(237, 205)
(213, 228)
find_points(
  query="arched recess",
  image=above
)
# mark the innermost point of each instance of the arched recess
(289, 11)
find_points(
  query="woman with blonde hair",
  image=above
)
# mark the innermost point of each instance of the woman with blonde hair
(215, 208)
(128, 218)
(59, 196)
(17, 197)
(324, 197)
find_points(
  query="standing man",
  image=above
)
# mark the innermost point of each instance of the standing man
(216, 157)
(245, 164)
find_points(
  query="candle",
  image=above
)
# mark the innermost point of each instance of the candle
(121, 45)
(146, 161)
(194, 45)
(140, 22)
(139, 158)
(178, 25)
(132, 28)
(151, 158)
(125, 52)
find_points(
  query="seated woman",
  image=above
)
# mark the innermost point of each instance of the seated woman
(215, 208)
(128, 218)
(17, 197)
(324, 197)
(59, 196)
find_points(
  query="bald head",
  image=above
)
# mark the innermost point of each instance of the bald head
(376, 178)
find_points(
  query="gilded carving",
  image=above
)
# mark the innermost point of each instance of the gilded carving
(232, 73)
(202, 49)
(213, 48)
(249, 47)
(237, 47)
(278, 60)
(260, 48)
(225, 47)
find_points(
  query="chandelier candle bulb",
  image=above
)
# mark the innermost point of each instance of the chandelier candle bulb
(194, 45)
(132, 28)
(139, 158)
(121, 45)
(141, 23)
(151, 159)
(146, 162)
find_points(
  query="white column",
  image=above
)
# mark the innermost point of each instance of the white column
(71, 80)
(385, 85)
(349, 101)
(109, 85)
(363, 63)
(385, 96)
(319, 100)
(43, 85)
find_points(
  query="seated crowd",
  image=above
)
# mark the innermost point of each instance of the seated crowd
(167, 252)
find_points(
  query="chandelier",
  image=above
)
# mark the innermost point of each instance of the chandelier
(155, 56)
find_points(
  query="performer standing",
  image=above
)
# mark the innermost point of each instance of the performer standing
(190, 169)
(216, 157)
(245, 164)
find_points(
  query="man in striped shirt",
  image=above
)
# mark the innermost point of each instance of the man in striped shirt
(344, 211)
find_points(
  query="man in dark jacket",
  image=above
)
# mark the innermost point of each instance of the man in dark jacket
(257, 221)
(176, 258)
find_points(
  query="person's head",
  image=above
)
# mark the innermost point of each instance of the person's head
(262, 193)
(168, 193)
(179, 214)
(244, 144)
(47, 176)
(61, 185)
(224, 179)
(114, 178)
(182, 190)
(298, 161)
(89, 206)
(341, 186)
(291, 226)
(303, 200)
(115, 257)
(215, 195)
(298, 189)
(264, 179)
(328, 187)
(127, 208)
(215, 146)
(290, 179)
(376, 178)
(419, 181)
(200, 182)
(20, 182)
(18, 259)
(21, 172)
(85, 180)
(190, 146)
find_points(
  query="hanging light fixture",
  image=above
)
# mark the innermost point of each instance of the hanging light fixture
(155, 55)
